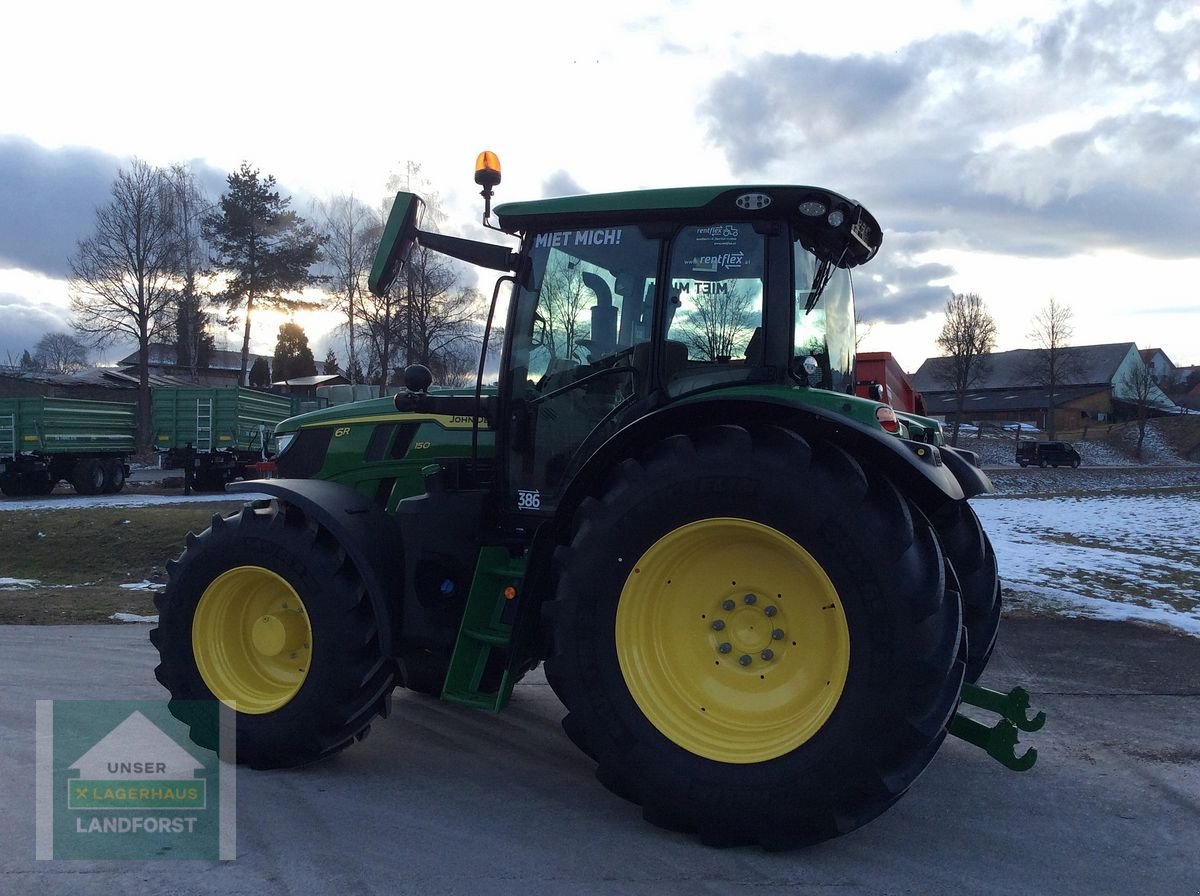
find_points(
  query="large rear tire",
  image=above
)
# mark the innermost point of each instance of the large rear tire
(970, 553)
(754, 638)
(266, 612)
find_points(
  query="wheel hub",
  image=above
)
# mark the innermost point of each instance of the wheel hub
(747, 629)
(280, 632)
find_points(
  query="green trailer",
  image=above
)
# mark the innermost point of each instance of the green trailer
(217, 434)
(45, 440)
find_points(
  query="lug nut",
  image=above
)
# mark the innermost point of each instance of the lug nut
(718, 625)
(770, 611)
(777, 634)
(768, 654)
(725, 648)
(744, 660)
(728, 604)
(750, 598)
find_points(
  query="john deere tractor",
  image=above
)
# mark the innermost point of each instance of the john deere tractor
(760, 598)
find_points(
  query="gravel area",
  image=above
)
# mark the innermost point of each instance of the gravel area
(1033, 482)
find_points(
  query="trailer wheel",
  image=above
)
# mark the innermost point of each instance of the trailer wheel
(970, 552)
(754, 638)
(88, 476)
(264, 611)
(114, 476)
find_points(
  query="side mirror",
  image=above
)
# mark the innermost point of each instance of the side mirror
(396, 243)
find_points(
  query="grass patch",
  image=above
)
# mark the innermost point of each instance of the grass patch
(77, 560)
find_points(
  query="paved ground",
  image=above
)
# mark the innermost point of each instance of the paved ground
(443, 800)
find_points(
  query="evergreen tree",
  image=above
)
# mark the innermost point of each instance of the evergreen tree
(266, 248)
(260, 374)
(293, 357)
(331, 363)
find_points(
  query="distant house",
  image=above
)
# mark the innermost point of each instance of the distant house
(223, 368)
(1162, 371)
(1095, 388)
(93, 383)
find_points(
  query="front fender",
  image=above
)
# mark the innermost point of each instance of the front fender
(370, 538)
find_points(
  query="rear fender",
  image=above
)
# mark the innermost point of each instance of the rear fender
(371, 539)
(930, 475)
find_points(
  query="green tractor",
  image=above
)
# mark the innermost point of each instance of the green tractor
(760, 598)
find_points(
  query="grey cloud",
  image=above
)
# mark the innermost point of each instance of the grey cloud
(24, 323)
(781, 104)
(939, 139)
(895, 290)
(560, 183)
(49, 202)
(49, 197)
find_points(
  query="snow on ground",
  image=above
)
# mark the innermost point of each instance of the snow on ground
(1129, 557)
(124, 499)
(1111, 555)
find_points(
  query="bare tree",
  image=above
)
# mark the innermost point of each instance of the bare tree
(122, 277)
(1053, 363)
(351, 231)
(193, 342)
(426, 317)
(862, 329)
(60, 353)
(1140, 389)
(563, 300)
(382, 323)
(721, 322)
(967, 337)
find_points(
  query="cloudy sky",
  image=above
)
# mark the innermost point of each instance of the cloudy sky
(1020, 150)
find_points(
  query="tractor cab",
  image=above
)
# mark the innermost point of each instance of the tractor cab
(623, 304)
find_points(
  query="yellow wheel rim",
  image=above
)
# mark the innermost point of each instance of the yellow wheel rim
(732, 640)
(252, 639)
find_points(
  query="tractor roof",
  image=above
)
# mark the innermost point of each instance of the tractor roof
(813, 209)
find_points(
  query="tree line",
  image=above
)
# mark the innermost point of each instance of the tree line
(166, 263)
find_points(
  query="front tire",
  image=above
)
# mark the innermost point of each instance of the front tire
(754, 639)
(265, 611)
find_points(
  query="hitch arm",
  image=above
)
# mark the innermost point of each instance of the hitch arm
(1000, 740)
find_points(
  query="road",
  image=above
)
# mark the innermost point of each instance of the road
(446, 800)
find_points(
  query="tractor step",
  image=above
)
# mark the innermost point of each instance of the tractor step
(1000, 740)
(482, 670)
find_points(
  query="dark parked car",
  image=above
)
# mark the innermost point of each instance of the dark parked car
(1047, 454)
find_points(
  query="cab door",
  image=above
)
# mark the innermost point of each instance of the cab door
(582, 318)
